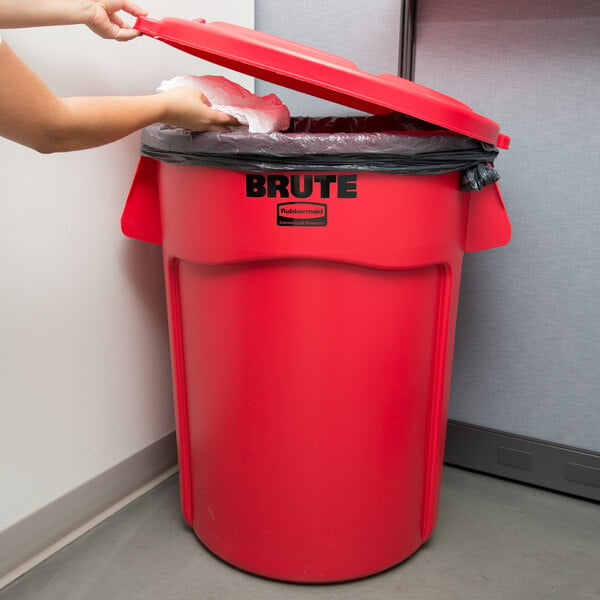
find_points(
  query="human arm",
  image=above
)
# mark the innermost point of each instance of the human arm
(32, 115)
(101, 16)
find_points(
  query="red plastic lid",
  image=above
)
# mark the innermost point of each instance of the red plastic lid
(319, 74)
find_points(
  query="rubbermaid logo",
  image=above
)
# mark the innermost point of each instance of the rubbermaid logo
(302, 214)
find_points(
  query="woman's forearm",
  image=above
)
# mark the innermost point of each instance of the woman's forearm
(87, 122)
(101, 16)
(80, 123)
(33, 13)
(32, 115)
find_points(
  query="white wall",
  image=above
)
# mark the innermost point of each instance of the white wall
(84, 363)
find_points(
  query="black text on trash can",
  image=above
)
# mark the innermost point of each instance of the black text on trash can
(301, 186)
(302, 214)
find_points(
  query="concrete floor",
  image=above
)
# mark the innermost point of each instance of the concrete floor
(494, 540)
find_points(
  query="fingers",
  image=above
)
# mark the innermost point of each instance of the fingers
(126, 33)
(189, 108)
(114, 31)
(203, 98)
(222, 118)
(122, 32)
(133, 9)
(107, 22)
(217, 120)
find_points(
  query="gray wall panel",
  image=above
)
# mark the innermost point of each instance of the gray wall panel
(366, 33)
(528, 339)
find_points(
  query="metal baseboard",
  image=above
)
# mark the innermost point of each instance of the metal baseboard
(536, 462)
(33, 539)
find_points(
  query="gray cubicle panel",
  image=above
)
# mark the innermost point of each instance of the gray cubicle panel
(366, 33)
(525, 400)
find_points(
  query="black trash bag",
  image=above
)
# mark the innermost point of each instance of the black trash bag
(392, 143)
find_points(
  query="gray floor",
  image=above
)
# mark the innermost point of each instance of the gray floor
(494, 540)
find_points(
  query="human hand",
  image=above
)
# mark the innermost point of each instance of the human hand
(190, 109)
(103, 19)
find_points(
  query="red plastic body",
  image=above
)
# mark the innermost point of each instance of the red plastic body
(319, 73)
(311, 361)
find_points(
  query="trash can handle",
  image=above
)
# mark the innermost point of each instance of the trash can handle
(141, 215)
(488, 225)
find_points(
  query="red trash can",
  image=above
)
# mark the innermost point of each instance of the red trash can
(312, 334)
